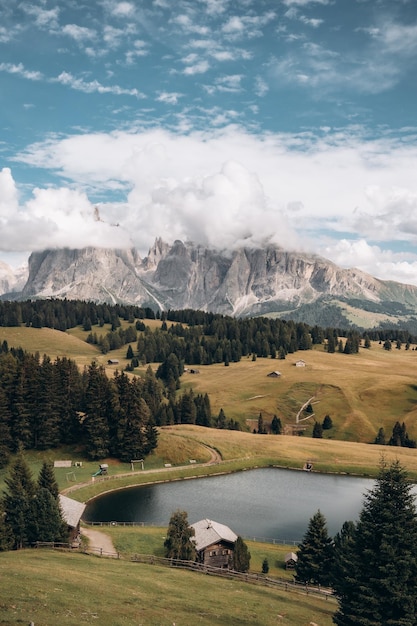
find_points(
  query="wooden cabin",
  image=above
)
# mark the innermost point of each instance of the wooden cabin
(300, 363)
(290, 560)
(72, 512)
(214, 543)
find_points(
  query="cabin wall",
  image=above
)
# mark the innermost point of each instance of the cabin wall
(218, 555)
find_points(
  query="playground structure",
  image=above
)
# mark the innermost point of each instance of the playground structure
(102, 470)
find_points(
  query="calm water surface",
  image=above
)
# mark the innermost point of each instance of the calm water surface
(264, 503)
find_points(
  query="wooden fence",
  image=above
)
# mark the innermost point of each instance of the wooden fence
(256, 579)
(149, 559)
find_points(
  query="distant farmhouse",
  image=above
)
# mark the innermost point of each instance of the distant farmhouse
(300, 363)
(215, 543)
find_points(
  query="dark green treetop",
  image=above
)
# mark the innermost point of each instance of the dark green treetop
(179, 542)
(315, 553)
(379, 564)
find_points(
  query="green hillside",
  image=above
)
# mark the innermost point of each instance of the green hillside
(50, 588)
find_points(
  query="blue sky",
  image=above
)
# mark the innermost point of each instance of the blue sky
(218, 121)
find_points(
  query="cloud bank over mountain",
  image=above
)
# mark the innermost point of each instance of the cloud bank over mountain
(343, 197)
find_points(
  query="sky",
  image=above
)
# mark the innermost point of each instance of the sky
(222, 122)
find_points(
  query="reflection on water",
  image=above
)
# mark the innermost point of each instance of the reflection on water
(269, 503)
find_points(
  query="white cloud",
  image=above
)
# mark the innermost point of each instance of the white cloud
(123, 9)
(8, 194)
(94, 86)
(169, 97)
(231, 186)
(304, 3)
(79, 33)
(19, 69)
(261, 87)
(231, 83)
(383, 264)
(44, 18)
(311, 21)
(200, 67)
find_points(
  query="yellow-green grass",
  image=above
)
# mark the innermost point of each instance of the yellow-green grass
(173, 450)
(51, 588)
(360, 392)
(327, 455)
(51, 342)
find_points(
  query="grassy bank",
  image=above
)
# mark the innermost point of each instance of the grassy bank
(51, 588)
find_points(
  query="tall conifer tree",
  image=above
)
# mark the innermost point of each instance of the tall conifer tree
(379, 565)
(315, 553)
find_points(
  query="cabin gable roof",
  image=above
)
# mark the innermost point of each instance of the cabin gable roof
(209, 532)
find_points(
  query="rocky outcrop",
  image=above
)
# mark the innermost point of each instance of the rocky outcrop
(11, 280)
(246, 281)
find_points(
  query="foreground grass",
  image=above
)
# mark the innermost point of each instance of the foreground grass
(51, 588)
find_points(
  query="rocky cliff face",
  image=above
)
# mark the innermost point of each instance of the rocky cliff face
(248, 281)
(11, 280)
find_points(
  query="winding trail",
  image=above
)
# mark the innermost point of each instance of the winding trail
(215, 458)
(99, 542)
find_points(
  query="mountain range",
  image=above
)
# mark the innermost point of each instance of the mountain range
(248, 281)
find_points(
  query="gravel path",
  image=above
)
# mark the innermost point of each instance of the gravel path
(99, 542)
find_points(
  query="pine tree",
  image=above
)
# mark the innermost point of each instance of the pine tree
(317, 431)
(18, 503)
(179, 542)
(99, 399)
(265, 566)
(221, 419)
(315, 553)
(6, 535)
(379, 565)
(276, 425)
(47, 522)
(380, 438)
(341, 543)
(241, 556)
(327, 422)
(47, 480)
(6, 443)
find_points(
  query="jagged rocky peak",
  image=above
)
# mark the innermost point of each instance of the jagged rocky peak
(155, 254)
(243, 281)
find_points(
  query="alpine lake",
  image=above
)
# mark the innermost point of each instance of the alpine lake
(263, 504)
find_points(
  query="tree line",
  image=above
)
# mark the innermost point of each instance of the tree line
(371, 565)
(65, 314)
(45, 404)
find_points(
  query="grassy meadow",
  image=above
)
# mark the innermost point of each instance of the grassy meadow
(360, 392)
(50, 588)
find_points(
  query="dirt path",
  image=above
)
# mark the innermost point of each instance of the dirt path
(215, 458)
(99, 542)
